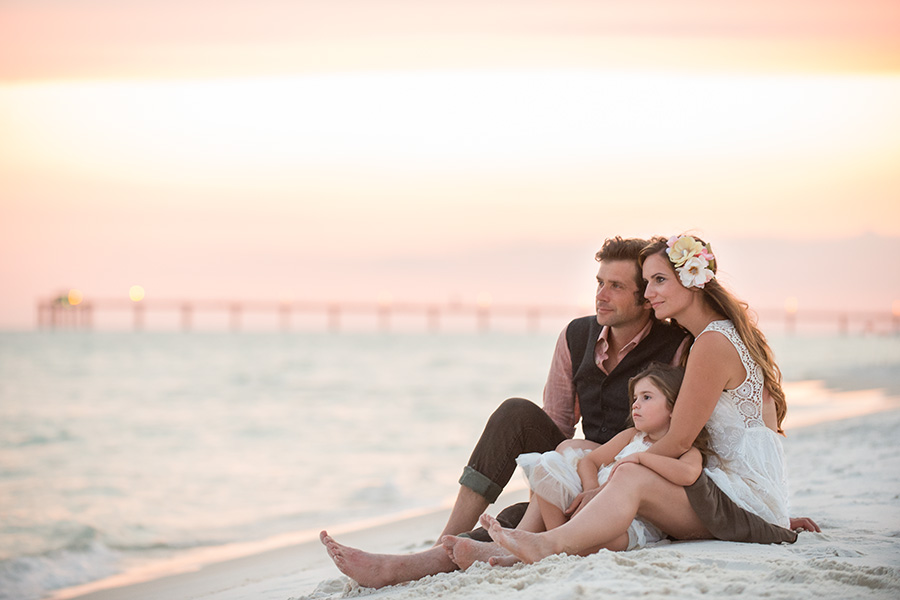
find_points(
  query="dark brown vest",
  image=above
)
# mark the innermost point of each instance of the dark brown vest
(603, 398)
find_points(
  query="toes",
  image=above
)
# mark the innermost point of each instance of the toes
(487, 521)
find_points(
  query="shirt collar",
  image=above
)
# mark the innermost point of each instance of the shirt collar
(603, 340)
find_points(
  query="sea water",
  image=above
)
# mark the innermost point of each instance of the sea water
(119, 449)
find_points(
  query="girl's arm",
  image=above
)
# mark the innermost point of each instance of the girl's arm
(680, 471)
(605, 454)
(713, 366)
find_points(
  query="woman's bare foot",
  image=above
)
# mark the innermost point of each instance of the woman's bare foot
(529, 547)
(465, 552)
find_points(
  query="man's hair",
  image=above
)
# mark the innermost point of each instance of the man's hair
(618, 248)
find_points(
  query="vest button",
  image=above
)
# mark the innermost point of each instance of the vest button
(603, 429)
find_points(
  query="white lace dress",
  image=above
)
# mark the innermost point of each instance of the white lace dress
(554, 477)
(748, 465)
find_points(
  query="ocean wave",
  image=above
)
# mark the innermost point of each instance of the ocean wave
(32, 577)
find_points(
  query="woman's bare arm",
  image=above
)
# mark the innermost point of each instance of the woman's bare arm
(680, 471)
(713, 366)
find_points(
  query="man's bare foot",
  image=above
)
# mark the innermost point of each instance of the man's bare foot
(529, 547)
(380, 570)
(465, 552)
(368, 570)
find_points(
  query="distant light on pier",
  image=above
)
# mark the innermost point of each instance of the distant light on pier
(791, 305)
(75, 297)
(136, 293)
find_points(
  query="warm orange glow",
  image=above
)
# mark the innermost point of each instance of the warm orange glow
(136, 293)
(791, 305)
(272, 146)
(895, 308)
(75, 297)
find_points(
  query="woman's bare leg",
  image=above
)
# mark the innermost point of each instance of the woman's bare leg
(633, 490)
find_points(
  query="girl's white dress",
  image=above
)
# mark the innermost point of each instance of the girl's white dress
(554, 477)
(748, 465)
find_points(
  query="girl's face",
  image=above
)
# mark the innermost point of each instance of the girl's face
(650, 411)
(664, 291)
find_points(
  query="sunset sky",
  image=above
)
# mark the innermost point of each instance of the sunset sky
(362, 149)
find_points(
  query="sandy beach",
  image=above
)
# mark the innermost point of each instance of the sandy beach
(844, 472)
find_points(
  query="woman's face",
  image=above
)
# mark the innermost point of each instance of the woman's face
(664, 291)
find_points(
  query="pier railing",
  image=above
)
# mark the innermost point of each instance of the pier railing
(65, 312)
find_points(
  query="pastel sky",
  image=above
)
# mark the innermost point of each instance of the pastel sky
(422, 149)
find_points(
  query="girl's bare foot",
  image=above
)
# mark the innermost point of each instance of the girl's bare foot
(465, 552)
(529, 547)
(507, 560)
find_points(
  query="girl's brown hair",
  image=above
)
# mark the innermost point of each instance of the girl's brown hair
(738, 312)
(668, 378)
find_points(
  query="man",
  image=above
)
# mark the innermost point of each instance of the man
(595, 357)
(593, 361)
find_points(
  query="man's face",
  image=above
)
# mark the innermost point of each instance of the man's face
(617, 301)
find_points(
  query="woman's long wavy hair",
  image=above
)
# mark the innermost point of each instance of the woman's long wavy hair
(738, 312)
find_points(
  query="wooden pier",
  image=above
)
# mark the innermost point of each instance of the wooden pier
(61, 312)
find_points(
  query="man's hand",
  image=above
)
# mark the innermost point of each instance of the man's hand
(581, 501)
(803, 524)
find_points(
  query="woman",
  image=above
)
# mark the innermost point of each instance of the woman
(742, 494)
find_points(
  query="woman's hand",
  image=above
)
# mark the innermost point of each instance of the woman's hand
(804, 524)
(631, 458)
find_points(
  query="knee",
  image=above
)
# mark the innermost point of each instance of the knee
(629, 474)
(515, 410)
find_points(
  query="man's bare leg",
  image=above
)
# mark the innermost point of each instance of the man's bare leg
(380, 570)
(466, 551)
(468, 507)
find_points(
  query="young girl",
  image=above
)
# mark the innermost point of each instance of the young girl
(557, 477)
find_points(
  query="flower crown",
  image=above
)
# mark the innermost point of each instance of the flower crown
(694, 262)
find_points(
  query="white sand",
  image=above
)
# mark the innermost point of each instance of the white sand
(845, 474)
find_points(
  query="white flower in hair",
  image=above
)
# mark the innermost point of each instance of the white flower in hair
(693, 261)
(695, 272)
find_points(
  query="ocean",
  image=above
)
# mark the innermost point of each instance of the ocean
(121, 449)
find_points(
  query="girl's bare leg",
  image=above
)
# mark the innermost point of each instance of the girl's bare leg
(532, 519)
(465, 552)
(633, 490)
(551, 516)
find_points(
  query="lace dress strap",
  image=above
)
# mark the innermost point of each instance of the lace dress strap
(748, 396)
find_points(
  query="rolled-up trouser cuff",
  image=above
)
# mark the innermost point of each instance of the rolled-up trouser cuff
(480, 484)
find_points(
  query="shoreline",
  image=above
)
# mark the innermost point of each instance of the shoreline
(298, 560)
